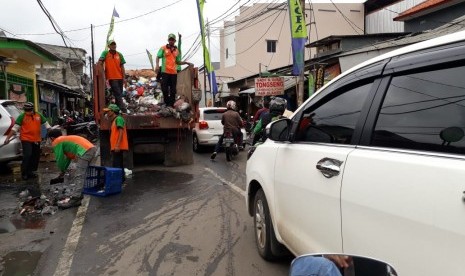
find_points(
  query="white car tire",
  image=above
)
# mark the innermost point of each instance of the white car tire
(264, 233)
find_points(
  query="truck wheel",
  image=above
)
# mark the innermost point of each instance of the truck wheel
(264, 233)
(195, 144)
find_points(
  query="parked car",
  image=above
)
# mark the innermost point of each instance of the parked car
(373, 164)
(209, 128)
(8, 114)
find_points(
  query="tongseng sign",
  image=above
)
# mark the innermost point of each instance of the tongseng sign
(269, 86)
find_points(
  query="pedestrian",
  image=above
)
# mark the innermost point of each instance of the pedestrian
(29, 124)
(114, 71)
(118, 136)
(171, 58)
(66, 149)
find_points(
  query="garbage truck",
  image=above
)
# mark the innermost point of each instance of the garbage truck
(153, 137)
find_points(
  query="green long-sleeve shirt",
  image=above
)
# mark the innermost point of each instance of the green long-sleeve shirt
(69, 147)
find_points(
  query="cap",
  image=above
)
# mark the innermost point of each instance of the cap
(171, 36)
(112, 107)
(111, 42)
(28, 106)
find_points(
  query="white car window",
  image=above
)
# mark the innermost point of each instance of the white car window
(424, 111)
(12, 110)
(334, 120)
(213, 114)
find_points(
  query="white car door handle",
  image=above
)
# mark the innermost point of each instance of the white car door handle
(329, 167)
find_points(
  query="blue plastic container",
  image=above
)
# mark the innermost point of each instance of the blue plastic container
(103, 181)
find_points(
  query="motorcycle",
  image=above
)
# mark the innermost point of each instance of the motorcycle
(88, 130)
(230, 146)
(339, 265)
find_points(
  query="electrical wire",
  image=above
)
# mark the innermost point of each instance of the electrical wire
(253, 44)
(351, 24)
(279, 35)
(106, 24)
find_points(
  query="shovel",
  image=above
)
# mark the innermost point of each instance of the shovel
(11, 139)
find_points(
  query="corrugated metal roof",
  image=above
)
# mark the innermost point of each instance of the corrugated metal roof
(452, 27)
(425, 7)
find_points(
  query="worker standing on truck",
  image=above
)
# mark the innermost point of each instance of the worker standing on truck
(171, 58)
(118, 135)
(114, 71)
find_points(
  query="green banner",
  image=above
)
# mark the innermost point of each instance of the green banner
(206, 53)
(298, 28)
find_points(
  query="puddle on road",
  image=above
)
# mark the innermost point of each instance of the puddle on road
(18, 223)
(6, 227)
(20, 262)
(28, 222)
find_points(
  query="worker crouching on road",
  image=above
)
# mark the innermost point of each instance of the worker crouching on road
(67, 148)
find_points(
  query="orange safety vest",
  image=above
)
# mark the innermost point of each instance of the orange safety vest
(170, 60)
(31, 128)
(114, 133)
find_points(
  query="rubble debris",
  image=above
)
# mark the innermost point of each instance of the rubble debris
(144, 97)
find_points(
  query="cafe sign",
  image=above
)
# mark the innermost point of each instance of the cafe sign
(272, 86)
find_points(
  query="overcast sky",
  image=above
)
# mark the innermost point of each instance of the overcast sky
(146, 23)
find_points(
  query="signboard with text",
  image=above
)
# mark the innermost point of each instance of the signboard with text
(269, 86)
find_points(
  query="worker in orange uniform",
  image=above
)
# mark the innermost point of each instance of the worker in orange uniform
(171, 58)
(118, 135)
(67, 148)
(29, 125)
(114, 71)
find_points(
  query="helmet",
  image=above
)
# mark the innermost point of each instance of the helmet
(28, 106)
(54, 133)
(231, 105)
(278, 105)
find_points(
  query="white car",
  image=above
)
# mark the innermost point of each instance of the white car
(208, 129)
(372, 165)
(8, 114)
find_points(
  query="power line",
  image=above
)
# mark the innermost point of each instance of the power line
(279, 35)
(250, 47)
(351, 24)
(106, 24)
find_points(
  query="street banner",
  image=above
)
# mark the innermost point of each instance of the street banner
(206, 53)
(150, 59)
(112, 23)
(273, 86)
(298, 35)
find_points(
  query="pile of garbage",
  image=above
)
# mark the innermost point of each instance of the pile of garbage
(29, 205)
(144, 97)
(45, 204)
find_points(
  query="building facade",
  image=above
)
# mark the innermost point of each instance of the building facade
(259, 38)
(63, 85)
(18, 59)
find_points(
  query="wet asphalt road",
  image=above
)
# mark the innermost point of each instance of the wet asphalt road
(167, 221)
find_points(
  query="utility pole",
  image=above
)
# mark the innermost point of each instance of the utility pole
(92, 43)
(301, 83)
(209, 73)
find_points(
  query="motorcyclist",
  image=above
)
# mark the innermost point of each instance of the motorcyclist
(276, 111)
(232, 122)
